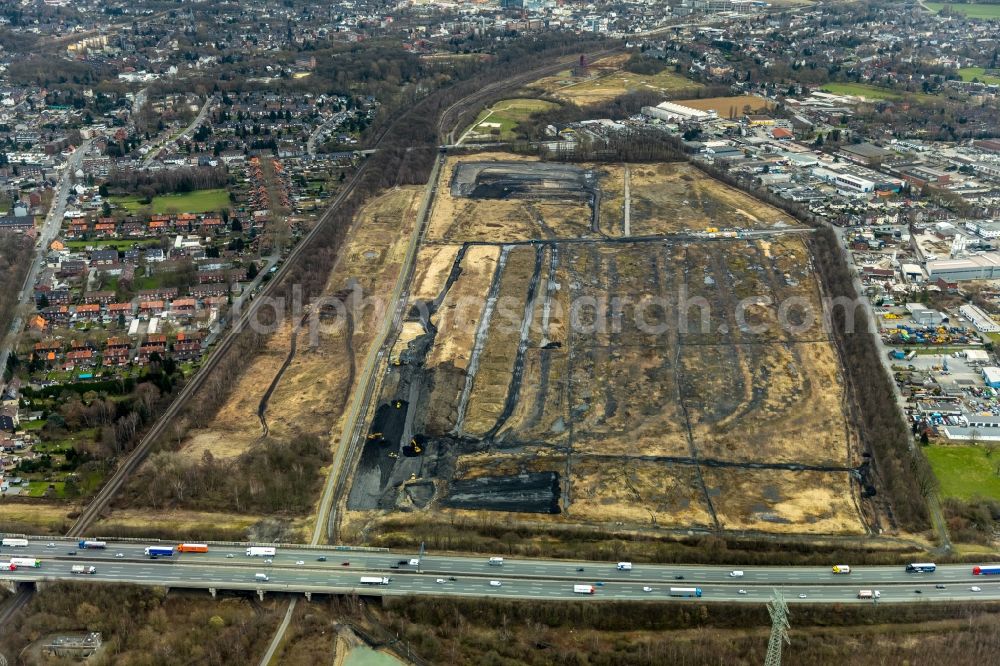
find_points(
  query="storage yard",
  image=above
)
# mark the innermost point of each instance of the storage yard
(552, 366)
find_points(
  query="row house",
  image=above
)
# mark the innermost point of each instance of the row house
(149, 308)
(185, 306)
(207, 290)
(153, 344)
(126, 309)
(116, 351)
(56, 314)
(80, 357)
(161, 294)
(100, 297)
(70, 268)
(87, 311)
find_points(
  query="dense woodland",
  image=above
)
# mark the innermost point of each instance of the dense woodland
(142, 626)
(15, 256)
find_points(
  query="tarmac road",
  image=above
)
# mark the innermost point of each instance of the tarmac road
(520, 578)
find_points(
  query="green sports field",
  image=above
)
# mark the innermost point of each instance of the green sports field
(965, 472)
(199, 201)
(972, 73)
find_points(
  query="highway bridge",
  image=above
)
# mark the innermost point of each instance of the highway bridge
(328, 570)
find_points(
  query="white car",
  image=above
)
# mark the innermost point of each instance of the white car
(495, 583)
(803, 596)
(647, 589)
(742, 592)
(300, 562)
(50, 545)
(975, 588)
(440, 580)
(268, 561)
(230, 555)
(736, 574)
(119, 554)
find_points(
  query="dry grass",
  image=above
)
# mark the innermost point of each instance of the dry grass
(433, 264)
(460, 311)
(35, 517)
(492, 380)
(727, 107)
(606, 81)
(636, 491)
(783, 501)
(667, 198)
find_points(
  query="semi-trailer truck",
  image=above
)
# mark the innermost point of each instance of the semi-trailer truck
(159, 551)
(261, 551)
(583, 589)
(92, 545)
(685, 591)
(375, 580)
(14, 543)
(986, 570)
(921, 567)
(192, 548)
(81, 569)
(869, 594)
(32, 562)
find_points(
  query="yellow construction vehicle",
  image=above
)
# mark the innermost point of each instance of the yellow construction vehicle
(374, 436)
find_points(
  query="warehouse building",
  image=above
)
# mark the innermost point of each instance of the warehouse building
(677, 113)
(991, 376)
(981, 320)
(923, 316)
(984, 266)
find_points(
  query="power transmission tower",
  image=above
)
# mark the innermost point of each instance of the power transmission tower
(779, 628)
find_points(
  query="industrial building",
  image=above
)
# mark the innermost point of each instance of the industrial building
(923, 316)
(984, 266)
(984, 228)
(845, 182)
(991, 376)
(980, 319)
(678, 113)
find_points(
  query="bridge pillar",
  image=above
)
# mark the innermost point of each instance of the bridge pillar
(211, 591)
(166, 590)
(260, 594)
(11, 586)
(309, 596)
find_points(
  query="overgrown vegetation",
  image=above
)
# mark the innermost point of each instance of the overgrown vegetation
(15, 250)
(145, 626)
(270, 477)
(508, 632)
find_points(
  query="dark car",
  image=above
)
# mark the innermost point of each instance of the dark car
(321, 558)
(402, 562)
(678, 577)
(345, 564)
(579, 568)
(918, 591)
(939, 586)
(452, 578)
(71, 552)
(394, 566)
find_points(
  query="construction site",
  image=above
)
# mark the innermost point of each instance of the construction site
(578, 348)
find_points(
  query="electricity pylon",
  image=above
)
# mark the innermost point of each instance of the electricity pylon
(778, 610)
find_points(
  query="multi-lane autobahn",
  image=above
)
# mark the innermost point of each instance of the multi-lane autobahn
(301, 570)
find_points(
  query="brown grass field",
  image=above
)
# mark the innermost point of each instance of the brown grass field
(607, 80)
(728, 107)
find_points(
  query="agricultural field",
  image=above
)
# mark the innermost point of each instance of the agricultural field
(970, 10)
(966, 472)
(573, 368)
(500, 121)
(978, 74)
(199, 201)
(728, 107)
(605, 80)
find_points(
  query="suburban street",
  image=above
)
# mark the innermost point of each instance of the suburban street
(298, 570)
(48, 232)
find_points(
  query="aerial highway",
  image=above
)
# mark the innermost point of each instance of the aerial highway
(323, 571)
